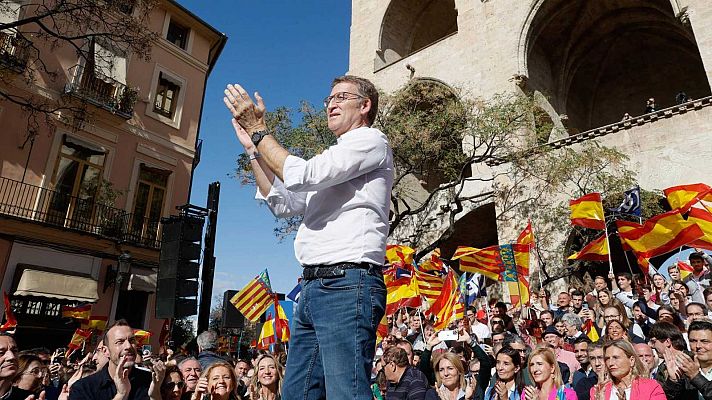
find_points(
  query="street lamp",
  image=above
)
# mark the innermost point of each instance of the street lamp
(116, 275)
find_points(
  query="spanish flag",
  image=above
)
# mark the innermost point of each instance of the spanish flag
(587, 211)
(684, 196)
(281, 323)
(686, 270)
(659, 235)
(81, 312)
(141, 336)
(267, 334)
(703, 219)
(79, 337)
(484, 261)
(434, 263)
(402, 293)
(399, 255)
(597, 250)
(381, 330)
(95, 322)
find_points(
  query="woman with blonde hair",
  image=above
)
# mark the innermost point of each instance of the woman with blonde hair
(266, 383)
(217, 381)
(626, 373)
(546, 375)
(450, 378)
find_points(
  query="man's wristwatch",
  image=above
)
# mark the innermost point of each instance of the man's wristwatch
(258, 136)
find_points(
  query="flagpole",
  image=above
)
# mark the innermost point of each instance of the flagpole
(608, 247)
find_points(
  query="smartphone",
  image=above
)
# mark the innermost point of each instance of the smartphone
(448, 335)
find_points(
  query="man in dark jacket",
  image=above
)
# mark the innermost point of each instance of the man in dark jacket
(404, 381)
(207, 344)
(690, 378)
(118, 380)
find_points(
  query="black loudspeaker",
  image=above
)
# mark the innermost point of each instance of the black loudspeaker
(231, 318)
(178, 268)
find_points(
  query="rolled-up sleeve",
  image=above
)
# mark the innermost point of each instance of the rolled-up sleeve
(356, 153)
(282, 202)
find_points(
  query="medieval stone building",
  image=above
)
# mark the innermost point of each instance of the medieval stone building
(593, 64)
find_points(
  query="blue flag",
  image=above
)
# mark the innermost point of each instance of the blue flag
(472, 288)
(294, 294)
(631, 203)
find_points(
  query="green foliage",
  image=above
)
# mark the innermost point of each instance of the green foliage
(183, 332)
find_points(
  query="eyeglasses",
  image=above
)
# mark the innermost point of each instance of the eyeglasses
(172, 385)
(341, 97)
(610, 317)
(37, 372)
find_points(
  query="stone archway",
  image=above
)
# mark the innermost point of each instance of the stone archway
(596, 61)
(410, 25)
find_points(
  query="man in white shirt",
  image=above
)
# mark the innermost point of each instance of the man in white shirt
(343, 195)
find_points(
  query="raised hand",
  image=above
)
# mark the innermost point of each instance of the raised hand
(501, 389)
(200, 389)
(687, 365)
(121, 379)
(248, 114)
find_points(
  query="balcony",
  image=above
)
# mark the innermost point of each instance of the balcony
(101, 91)
(50, 207)
(14, 51)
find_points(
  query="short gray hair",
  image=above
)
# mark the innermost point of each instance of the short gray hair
(572, 319)
(208, 340)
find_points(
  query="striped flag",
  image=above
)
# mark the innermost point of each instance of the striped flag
(281, 323)
(254, 299)
(516, 282)
(382, 330)
(686, 271)
(587, 211)
(484, 261)
(434, 263)
(659, 235)
(402, 293)
(703, 219)
(399, 255)
(527, 235)
(142, 337)
(429, 285)
(95, 322)
(682, 197)
(80, 312)
(267, 336)
(447, 305)
(597, 250)
(79, 337)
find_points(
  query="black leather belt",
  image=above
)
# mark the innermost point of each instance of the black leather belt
(323, 271)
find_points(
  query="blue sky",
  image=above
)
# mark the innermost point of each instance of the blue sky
(288, 51)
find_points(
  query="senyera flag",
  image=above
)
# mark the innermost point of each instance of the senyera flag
(484, 261)
(659, 235)
(597, 250)
(587, 211)
(255, 298)
(703, 219)
(683, 197)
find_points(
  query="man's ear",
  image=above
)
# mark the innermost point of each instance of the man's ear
(365, 107)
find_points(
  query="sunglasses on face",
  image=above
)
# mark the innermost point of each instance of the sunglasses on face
(172, 385)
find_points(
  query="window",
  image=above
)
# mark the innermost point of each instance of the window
(177, 34)
(148, 203)
(166, 96)
(77, 179)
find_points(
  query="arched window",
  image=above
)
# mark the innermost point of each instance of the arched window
(597, 61)
(410, 25)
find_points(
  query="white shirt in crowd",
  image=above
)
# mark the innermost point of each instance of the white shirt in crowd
(344, 194)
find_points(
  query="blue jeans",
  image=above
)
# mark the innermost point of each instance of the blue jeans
(334, 337)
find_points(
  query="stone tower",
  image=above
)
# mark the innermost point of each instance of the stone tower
(591, 62)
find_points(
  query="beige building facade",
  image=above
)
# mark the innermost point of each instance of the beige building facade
(81, 199)
(592, 64)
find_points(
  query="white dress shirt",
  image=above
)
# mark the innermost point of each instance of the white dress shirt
(344, 194)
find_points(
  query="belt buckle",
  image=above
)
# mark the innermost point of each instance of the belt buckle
(334, 272)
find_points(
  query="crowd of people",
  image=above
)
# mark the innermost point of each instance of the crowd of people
(624, 338)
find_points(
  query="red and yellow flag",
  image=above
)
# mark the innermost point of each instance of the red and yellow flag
(659, 235)
(445, 306)
(95, 322)
(281, 323)
(142, 337)
(434, 263)
(703, 219)
(399, 255)
(527, 235)
(10, 320)
(81, 312)
(255, 298)
(682, 197)
(267, 334)
(402, 293)
(429, 285)
(382, 330)
(597, 250)
(587, 211)
(484, 261)
(79, 337)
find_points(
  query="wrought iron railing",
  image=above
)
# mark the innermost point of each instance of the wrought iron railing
(30, 202)
(102, 91)
(14, 50)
